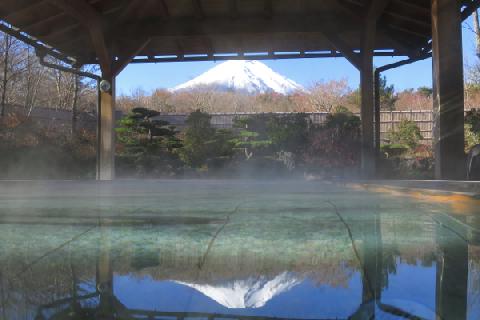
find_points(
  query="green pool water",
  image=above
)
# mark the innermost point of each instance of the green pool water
(236, 250)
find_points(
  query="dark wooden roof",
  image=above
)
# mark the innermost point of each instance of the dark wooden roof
(171, 30)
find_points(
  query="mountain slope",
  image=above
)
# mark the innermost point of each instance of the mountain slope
(249, 293)
(252, 77)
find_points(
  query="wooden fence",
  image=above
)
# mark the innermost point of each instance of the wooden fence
(389, 120)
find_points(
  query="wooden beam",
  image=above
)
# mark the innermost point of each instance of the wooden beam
(113, 9)
(92, 20)
(397, 8)
(80, 9)
(233, 8)
(101, 48)
(343, 47)
(241, 56)
(409, 19)
(399, 41)
(394, 10)
(209, 45)
(413, 5)
(376, 9)
(409, 31)
(356, 16)
(47, 23)
(124, 60)
(128, 10)
(57, 35)
(223, 26)
(21, 8)
(187, 27)
(81, 48)
(163, 8)
(197, 9)
(409, 5)
(33, 42)
(268, 9)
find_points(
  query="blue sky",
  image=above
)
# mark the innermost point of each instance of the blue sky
(304, 71)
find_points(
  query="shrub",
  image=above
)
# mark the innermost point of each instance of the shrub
(472, 138)
(252, 138)
(472, 119)
(289, 132)
(146, 146)
(394, 150)
(221, 148)
(472, 129)
(202, 142)
(195, 139)
(269, 134)
(407, 133)
(401, 163)
(344, 122)
(34, 152)
(336, 144)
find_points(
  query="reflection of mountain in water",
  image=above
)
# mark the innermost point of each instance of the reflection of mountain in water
(249, 293)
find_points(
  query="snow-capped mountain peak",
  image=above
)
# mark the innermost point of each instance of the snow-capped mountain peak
(242, 75)
(249, 293)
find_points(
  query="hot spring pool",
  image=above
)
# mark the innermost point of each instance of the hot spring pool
(236, 250)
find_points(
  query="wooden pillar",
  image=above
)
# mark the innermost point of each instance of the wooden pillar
(448, 88)
(111, 67)
(368, 164)
(106, 130)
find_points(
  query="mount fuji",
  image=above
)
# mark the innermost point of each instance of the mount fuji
(252, 77)
(248, 293)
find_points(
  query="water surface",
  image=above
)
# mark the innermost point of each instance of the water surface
(236, 249)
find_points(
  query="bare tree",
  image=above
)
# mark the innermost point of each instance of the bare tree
(76, 89)
(326, 96)
(413, 100)
(159, 101)
(33, 76)
(82, 90)
(64, 88)
(201, 99)
(5, 60)
(11, 65)
(476, 29)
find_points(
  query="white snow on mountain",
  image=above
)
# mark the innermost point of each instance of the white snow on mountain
(249, 293)
(252, 77)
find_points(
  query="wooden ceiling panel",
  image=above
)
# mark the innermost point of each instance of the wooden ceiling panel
(180, 8)
(28, 13)
(179, 27)
(216, 8)
(254, 7)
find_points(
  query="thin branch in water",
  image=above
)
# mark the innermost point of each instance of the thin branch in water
(354, 247)
(202, 261)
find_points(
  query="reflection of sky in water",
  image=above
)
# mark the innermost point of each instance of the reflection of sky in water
(285, 251)
(473, 301)
(413, 286)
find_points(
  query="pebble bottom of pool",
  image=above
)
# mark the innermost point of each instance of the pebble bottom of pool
(221, 249)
